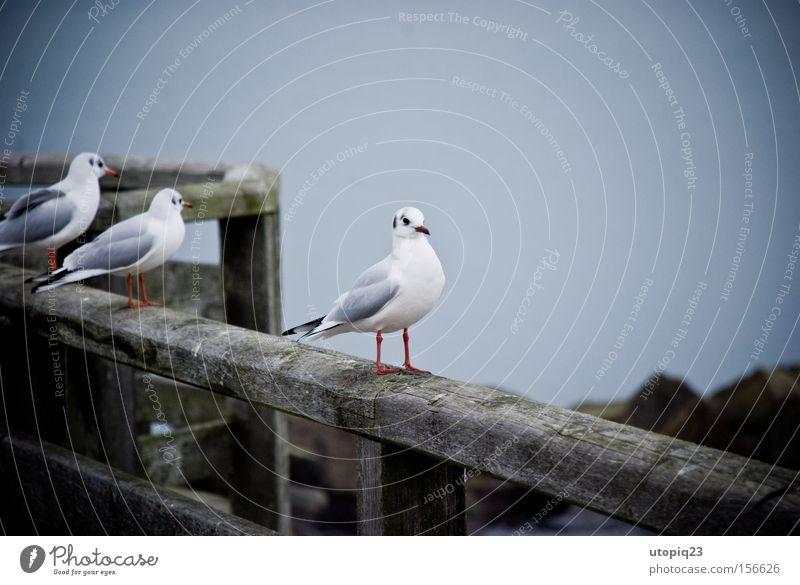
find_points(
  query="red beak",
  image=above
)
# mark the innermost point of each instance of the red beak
(423, 230)
(112, 172)
(186, 204)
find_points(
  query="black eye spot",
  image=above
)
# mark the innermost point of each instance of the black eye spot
(100, 164)
(405, 221)
(91, 162)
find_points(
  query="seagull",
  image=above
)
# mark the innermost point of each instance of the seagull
(132, 246)
(391, 295)
(51, 217)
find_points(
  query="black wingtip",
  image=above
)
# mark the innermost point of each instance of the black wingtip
(48, 278)
(304, 327)
(312, 332)
(38, 277)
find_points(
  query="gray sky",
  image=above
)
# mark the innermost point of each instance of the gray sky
(590, 172)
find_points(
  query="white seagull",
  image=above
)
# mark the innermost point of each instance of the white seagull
(130, 247)
(391, 295)
(51, 217)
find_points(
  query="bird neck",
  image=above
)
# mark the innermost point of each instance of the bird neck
(401, 246)
(81, 176)
(164, 215)
(84, 185)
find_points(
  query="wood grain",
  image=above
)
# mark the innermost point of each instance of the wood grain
(91, 498)
(175, 457)
(663, 484)
(215, 191)
(135, 171)
(402, 492)
(210, 201)
(250, 272)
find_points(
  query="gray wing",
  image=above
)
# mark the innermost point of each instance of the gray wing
(33, 200)
(35, 217)
(371, 291)
(120, 246)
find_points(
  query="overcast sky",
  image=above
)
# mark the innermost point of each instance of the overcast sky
(612, 187)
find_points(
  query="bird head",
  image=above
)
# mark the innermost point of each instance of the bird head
(87, 163)
(168, 201)
(409, 222)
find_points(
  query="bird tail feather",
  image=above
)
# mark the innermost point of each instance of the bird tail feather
(64, 276)
(54, 280)
(47, 275)
(310, 326)
(313, 329)
(321, 331)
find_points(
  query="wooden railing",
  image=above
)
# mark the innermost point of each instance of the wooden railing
(68, 493)
(420, 438)
(97, 416)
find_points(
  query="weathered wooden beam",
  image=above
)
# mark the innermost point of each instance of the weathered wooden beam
(186, 454)
(216, 191)
(663, 484)
(210, 200)
(176, 404)
(67, 493)
(136, 172)
(402, 493)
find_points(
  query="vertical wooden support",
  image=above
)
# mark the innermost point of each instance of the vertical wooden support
(33, 381)
(251, 286)
(33, 388)
(101, 404)
(101, 409)
(405, 493)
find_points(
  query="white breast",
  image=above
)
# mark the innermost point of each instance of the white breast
(420, 278)
(85, 200)
(169, 237)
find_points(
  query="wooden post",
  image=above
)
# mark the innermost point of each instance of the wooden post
(101, 408)
(251, 287)
(407, 493)
(33, 374)
(101, 404)
(33, 383)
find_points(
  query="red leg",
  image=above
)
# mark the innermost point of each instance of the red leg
(407, 363)
(143, 293)
(52, 261)
(379, 369)
(131, 303)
